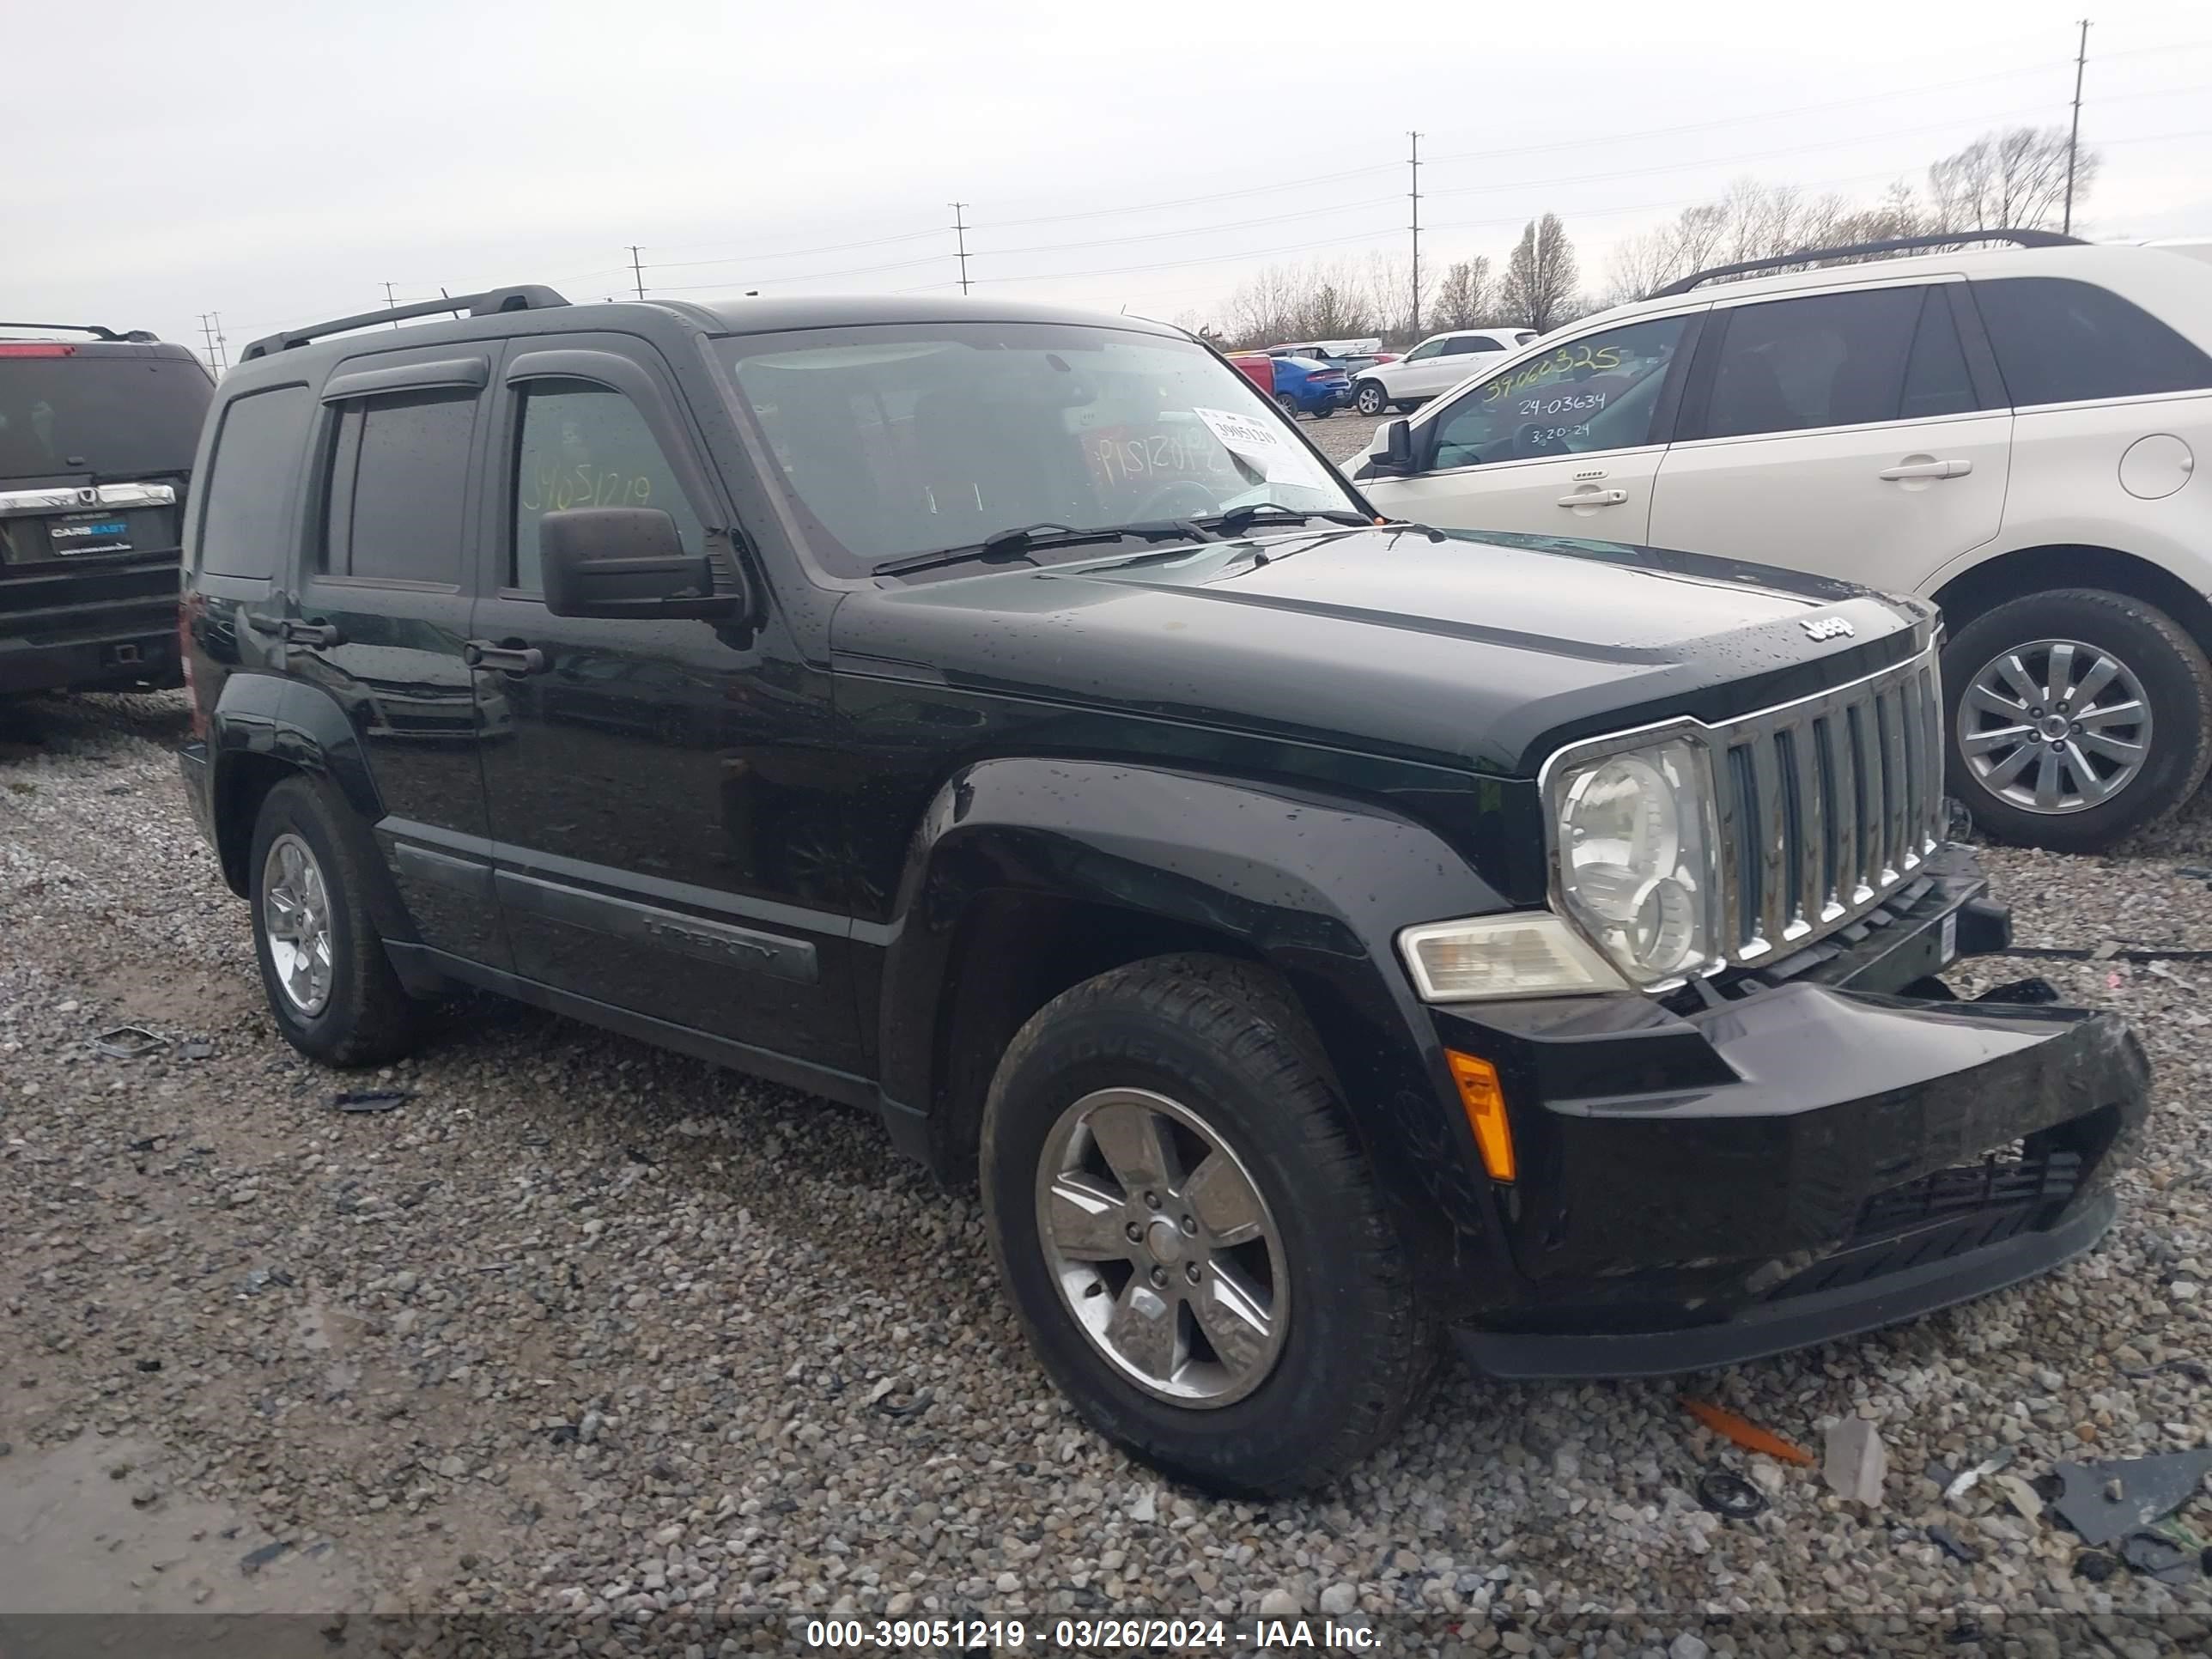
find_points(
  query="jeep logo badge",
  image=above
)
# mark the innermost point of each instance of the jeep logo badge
(1825, 627)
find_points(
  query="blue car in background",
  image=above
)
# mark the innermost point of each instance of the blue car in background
(1304, 386)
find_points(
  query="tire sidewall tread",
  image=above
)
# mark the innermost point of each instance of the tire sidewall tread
(369, 1019)
(1227, 1040)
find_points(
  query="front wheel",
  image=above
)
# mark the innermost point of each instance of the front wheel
(1189, 1235)
(2077, 716)
(1369, 399)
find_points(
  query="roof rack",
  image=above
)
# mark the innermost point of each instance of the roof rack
(529, 296)
(1896, 243)
(136, 335)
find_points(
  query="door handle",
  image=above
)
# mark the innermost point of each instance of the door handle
(509, 659)
(292, 632)
(1594, 498)
(1927, 470)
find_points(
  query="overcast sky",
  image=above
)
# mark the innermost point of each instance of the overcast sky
(279, 163)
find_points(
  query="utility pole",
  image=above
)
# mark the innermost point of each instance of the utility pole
(391, 303)
(1416, 195)
(222, 345)
(207, 333)
(637, 270)
(960, 230)
(2073, 138)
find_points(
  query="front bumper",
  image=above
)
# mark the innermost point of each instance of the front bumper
(1779, 1164)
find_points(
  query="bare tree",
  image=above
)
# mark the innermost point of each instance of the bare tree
(1390, 294)
(1539, 289)
(1463, 299)
(2012, 180)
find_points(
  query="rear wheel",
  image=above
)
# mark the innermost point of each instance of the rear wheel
(329, 983)
(1189, 1235)
(2076, 716)
(1369, 399)
(1287, 404)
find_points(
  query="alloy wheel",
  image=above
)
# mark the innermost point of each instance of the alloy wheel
(2055, 725)
(1162, 1246)
(295, 923)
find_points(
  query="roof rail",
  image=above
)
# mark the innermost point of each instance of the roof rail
(136, 335)
(530, 297)
(1896, 243)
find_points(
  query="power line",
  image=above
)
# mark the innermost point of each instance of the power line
(960, 230)
(1194, 230)
(2073, 134)
(795, 252)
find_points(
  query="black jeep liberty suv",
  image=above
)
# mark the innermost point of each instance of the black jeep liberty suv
(1312, 931)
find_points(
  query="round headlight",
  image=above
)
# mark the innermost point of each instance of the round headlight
(1622, 812)
(1632, 848)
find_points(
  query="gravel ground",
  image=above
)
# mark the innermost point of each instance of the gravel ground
(594, 1333)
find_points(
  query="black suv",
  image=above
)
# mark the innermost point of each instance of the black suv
(1313, 930)
(96, 440)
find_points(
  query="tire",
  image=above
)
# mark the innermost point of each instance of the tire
(1288, 405)
(362, 1017)
(1225, 1043)
(1368, 398)
(2153, 655)
(1324, 411)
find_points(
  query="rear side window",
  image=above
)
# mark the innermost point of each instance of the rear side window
(2059, 341)
(1936, 379)
(245, 528)
(1826, 360)
(587, 446)
(392, 510)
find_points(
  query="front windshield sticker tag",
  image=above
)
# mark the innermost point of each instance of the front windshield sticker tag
(1242, 435)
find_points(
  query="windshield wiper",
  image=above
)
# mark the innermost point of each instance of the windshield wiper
(1018, 542)
(1238, 520)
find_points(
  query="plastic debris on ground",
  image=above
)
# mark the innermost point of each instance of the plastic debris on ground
(1966, 1479)
(1727, 1493)
(1745, 1432)
(1948, 1541)
(370, 1100)
(2103, 1502)
(2018, 1493)
(129, 1042)
(1855, 1463)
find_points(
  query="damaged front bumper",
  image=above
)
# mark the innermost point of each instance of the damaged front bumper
(1776, 1164)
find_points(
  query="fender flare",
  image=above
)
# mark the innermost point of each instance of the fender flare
(1314, 887)
(263, 719)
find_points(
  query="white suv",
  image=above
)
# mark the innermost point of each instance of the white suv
(2015, 434)
(1438, 364)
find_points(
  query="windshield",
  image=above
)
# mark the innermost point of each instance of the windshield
(116, 417)
(903, 439)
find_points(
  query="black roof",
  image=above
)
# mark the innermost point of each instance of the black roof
(473, 315)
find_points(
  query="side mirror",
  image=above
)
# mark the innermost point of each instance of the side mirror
(1396, 455)
(622, 562)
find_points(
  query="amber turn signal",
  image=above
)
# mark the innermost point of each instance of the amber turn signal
(1478, 1092)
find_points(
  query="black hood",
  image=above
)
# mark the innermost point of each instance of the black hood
(1474, 650)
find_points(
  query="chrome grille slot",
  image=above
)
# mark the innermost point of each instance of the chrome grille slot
(1827, 806)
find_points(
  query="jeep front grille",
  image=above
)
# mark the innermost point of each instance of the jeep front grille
(1827, 806)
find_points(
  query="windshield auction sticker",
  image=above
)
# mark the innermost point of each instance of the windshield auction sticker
(1254, 439)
